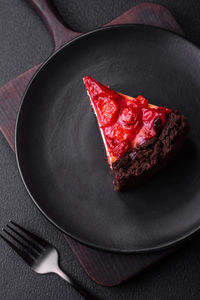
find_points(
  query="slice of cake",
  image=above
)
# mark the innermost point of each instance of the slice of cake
(139, 138)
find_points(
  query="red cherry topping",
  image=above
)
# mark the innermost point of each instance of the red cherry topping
(120, 133)
(142, 100)
(108, 111)
(125, 121)
(129, 115)
(120, 148)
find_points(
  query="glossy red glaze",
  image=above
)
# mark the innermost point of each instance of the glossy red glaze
(125, 121)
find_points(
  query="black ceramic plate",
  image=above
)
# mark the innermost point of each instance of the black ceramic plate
(60, 151)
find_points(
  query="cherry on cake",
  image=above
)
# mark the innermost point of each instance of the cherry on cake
(139, 138)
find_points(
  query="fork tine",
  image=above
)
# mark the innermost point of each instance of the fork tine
(35, 247)
(28, 249)
(27, 258)
(42, 242)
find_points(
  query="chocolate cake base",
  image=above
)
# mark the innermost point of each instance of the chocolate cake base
(139, 164)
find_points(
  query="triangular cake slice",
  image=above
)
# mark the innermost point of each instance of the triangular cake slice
(139, 138)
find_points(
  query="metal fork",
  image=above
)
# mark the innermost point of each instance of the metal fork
(41, 256)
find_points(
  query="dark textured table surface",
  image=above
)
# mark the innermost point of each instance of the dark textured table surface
(24, 43)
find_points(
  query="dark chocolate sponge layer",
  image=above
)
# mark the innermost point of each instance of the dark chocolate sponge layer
(139, 164)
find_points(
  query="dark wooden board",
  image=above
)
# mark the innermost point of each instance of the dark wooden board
(107, 269)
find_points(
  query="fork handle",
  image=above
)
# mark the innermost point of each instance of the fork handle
(77, 287)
